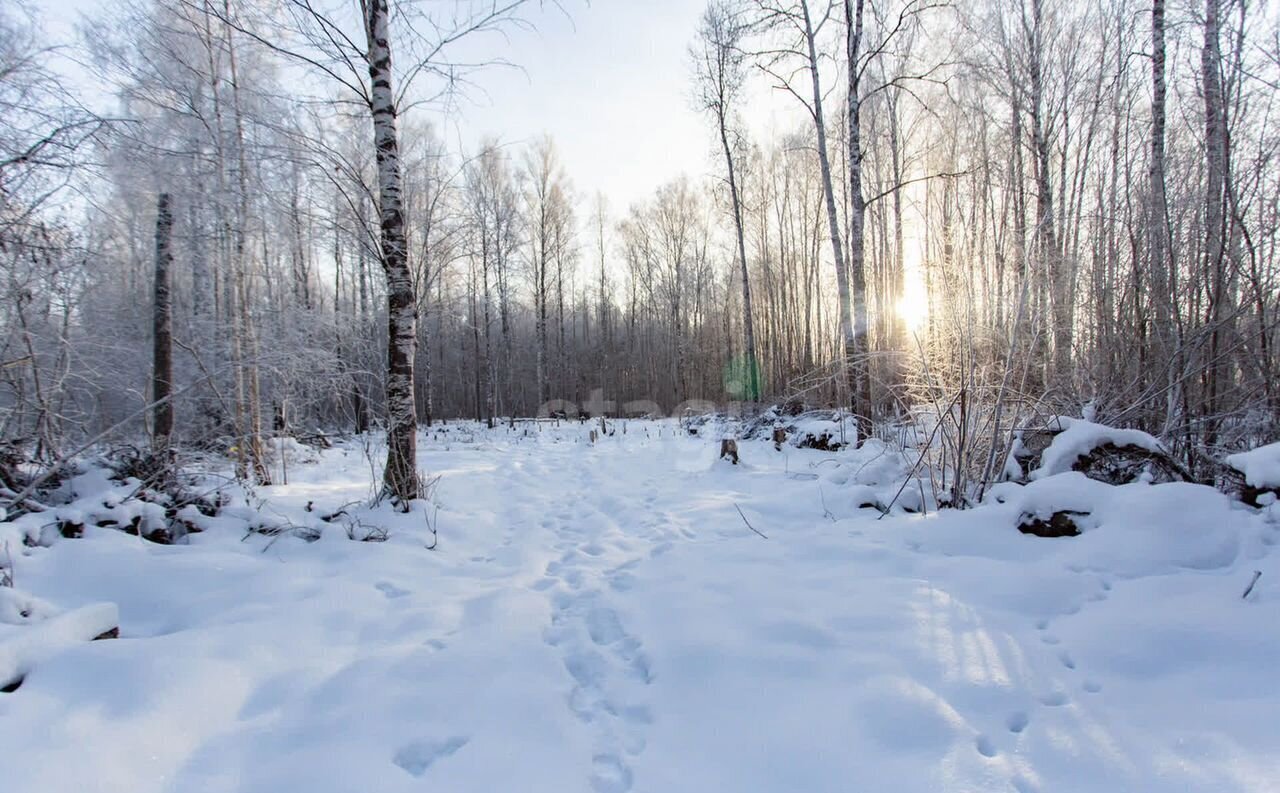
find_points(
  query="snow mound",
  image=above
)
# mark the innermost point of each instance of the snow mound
(1157, 529)
(1134, 530)
(1068, 492)
(22, 648)
(1081, 437)
(295, 452)
(20, 608)
(1260, 466)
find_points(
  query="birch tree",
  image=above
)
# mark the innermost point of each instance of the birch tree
(360, 64)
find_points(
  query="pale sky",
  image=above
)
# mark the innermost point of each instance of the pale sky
(608, 79)
(611, 85)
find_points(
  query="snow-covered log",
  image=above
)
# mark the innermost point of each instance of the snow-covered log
(1108, 454)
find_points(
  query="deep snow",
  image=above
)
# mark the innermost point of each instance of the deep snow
(598, 618)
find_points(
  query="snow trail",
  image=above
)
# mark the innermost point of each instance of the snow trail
(598, 618)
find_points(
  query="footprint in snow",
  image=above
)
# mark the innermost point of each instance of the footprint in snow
(586, 668)
(622, 582)
(1054, 699)
(1024, 785)
(1092, 686)
(985, 747)
(1065, 658)
(418, 756)
(609, 774)
(637, 662)
(603, 626)
(1017, 722)
(391, 590)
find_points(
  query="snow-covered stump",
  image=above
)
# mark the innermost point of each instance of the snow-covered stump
(1060, 524)
(1254, 476)
(29, 645)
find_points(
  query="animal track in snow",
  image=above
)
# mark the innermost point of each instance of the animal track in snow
(1017, 721)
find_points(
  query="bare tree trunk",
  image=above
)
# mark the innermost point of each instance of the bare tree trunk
(1059, 279)
(1217, 260)
(748, 324)
(252, 433)
(400, 478)
(854, 318)
(1157, 220)
(490, 368)
(162, 330)
(540, 297)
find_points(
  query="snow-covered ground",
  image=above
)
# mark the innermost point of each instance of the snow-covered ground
(600, 618)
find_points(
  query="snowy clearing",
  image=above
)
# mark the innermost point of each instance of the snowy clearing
(600, 618)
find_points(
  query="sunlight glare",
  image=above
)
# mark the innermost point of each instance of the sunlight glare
(913, 308)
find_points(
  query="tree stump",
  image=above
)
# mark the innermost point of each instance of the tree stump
(729, 448)
(1060, 524)
(779, 437)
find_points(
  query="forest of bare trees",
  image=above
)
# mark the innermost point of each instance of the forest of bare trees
(985, 212)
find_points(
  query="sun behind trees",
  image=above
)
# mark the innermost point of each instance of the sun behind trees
(979, 212)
